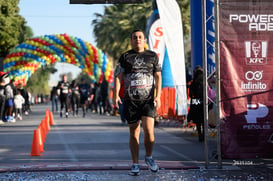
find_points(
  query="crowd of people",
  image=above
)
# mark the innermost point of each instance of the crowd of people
(14, 100)
(71, 98)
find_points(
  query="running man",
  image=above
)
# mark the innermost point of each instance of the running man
(84, 93)
(63, 86)
(141, 73)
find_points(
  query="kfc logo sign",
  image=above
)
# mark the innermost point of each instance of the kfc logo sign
(256, 52)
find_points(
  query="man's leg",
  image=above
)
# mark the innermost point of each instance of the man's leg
(148, 127)
(134, 141)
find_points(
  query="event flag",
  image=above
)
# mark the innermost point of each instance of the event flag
(164, 23)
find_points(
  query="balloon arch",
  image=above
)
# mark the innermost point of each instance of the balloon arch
(39, 51)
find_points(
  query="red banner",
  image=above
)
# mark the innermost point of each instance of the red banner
(246, 63)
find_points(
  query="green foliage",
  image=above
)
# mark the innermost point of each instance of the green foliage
(13, 29)
(38, 82)
(112, 29)
(117, 22)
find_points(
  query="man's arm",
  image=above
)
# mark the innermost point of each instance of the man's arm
(158, 84)
(117, 85)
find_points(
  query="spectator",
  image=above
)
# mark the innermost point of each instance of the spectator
(54, 99)
(25, 95)
(8, 91)
(19, 100)
(104, 90)
(196, 112)
(2, 97)
(98, 99)
(92, 97)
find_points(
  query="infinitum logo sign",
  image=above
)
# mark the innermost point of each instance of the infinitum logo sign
(256, 52)
(254, 81)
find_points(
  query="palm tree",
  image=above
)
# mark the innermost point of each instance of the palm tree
(112, 29)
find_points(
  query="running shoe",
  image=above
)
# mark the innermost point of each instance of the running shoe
(61, 114)
(10, 119)
(134, 170)
(151, 164)
(66, 114)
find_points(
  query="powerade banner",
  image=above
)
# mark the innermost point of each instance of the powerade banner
(246, 61)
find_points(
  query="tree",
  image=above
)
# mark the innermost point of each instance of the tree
(118, 21)
(38, 82)
(13, 28)
(13, 31)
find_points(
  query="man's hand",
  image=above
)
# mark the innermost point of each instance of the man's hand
(157, 102)
(116, 100)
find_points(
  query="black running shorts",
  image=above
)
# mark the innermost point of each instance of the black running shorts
(134, 110)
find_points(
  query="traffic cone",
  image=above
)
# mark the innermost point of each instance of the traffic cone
(46, 123)
(47, 117)
(43, 132)
(35, 150)
(41, 144)
(51, 119)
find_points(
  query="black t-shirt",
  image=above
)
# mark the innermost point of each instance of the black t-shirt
(138, 69)
(75, 90)
(84, 89)
(64, 87)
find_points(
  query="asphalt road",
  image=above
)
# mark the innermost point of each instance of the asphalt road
(94, 138)
(99, 143)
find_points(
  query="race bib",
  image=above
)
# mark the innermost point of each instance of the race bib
(64, 91)
(139, 82)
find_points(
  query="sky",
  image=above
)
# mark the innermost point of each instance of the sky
(47, 17)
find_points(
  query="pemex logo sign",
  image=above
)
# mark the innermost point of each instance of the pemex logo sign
(256, 52)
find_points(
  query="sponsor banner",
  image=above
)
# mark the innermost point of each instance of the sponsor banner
(210, 36)
(196, 34)
(170, 16)
(155, 35)
(246, 30)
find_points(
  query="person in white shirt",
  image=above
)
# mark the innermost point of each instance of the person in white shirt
(18, 103)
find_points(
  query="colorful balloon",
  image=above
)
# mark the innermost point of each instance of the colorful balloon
(26, 58)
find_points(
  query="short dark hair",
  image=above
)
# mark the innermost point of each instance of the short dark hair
(137, 30)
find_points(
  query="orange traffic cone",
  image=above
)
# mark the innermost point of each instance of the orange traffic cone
(46, 123)
(41, 144)
(51, 119)
(35, 150)
(43, 132)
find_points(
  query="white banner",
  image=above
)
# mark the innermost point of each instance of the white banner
(156, 40)
(171, 22)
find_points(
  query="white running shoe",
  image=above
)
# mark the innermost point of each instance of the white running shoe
(134, 170)
(151, 164)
